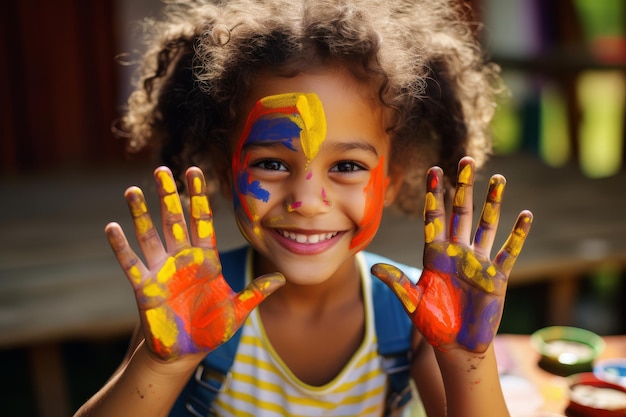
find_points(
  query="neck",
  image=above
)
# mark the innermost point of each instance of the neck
(344, 286)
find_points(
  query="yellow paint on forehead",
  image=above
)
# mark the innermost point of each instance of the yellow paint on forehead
(312, 119)
(166, 182)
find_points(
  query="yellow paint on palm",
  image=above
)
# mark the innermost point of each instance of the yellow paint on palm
(454, 251)
(178, 232)
(162, 326)
(153, 289)
(167, 182)
(135, 274)
(167, 270)
(472, 268)
(491, 271)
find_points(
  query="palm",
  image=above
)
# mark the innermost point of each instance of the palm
(459, 298)
(185, 304)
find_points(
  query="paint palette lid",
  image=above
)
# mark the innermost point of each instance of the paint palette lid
(611, 370)
(590, 396)
(567, 350)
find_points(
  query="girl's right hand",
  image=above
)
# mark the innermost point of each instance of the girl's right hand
(185, 304)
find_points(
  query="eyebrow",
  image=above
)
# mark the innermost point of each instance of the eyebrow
(348, 146)
(333, 147)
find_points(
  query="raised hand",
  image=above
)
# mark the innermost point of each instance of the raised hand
(185, 304)
(459, 298)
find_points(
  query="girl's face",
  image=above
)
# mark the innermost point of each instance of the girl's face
(310, 173)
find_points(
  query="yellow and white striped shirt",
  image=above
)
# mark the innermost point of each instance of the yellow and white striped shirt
(261, 385)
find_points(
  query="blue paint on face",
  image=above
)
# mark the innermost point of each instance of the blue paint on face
(253, 188)
(279, 129)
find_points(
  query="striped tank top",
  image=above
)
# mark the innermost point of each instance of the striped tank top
(261, 385)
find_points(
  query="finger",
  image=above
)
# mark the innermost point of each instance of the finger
(489, 217)
(408, 293)
(434, 208)
(462, 206)
(173, 220)
(132, 266)
(147, 235)
(257, 291)
(506, 257)
(202, 231)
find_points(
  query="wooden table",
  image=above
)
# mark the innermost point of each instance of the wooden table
(529, 389)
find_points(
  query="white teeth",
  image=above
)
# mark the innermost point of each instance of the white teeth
(300, 238)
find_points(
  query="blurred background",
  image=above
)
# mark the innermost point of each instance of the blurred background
(66, 311)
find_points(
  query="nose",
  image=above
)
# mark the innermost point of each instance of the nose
(308, 196)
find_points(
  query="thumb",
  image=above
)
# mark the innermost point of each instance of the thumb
(409, 294)
(258, 290)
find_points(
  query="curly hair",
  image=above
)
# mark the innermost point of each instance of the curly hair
(422, 56)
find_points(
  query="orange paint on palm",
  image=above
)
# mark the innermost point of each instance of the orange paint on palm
(374, 204)
(439, 312)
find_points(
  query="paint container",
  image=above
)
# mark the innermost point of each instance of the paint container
(611, 370)
(566, 350)
(593, 397)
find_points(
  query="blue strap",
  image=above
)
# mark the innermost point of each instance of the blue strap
(394, 333)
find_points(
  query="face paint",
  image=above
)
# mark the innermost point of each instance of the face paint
(374, 203)
(276, 119)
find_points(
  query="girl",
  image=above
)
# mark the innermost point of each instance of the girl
(313, 116)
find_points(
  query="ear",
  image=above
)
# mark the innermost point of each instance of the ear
(395, 183)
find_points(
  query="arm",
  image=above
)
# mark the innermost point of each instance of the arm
(457, 303)
(186, 308)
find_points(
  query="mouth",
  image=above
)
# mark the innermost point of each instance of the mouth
(311, 238)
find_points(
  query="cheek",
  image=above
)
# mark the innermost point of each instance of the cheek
(374, 200)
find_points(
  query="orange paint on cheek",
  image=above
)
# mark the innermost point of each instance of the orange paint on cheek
(374, 203)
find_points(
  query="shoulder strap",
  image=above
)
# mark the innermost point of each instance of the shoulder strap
(394, 333)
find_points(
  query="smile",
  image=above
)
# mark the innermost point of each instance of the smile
(310, 239)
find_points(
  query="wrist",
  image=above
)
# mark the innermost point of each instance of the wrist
(182, 366)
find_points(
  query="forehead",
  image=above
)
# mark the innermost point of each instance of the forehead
(350, 109)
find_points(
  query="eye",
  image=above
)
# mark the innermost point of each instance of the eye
(270, 165)
(347, 166)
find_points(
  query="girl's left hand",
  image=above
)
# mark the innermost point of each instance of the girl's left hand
(459, 298)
